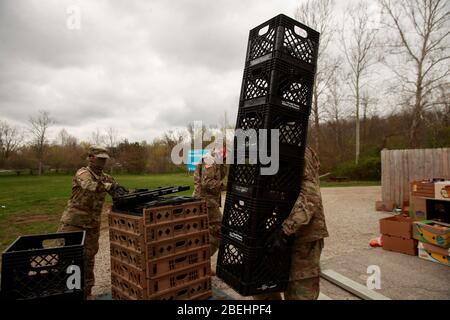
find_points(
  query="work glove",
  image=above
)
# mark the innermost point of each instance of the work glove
(117, 190)
(278, 250)
(278, 242)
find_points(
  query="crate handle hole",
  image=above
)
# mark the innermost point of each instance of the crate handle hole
(180, 259)
(178, 226)
(182, 292)
(180, 243)
(263, 30)
(301, 32)
(177, 212)
(51, 243)
(182, 276)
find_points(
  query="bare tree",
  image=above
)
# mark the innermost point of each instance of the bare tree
(65, 139)
(422, 29)
(97, 138)
(334, 108)
(39, 129)
(10, 139)
(367, 103)
(112, 138)
(358, 46)
(317, 14)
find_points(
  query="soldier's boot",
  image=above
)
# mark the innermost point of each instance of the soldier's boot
(304, 289)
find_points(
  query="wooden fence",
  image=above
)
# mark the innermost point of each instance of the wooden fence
(400, 167)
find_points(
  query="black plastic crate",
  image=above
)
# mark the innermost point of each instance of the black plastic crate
(285, 38)
(253, 218)
(36, 267)
(250, 270)
(292, 128)
(277, 82)
(247, 180)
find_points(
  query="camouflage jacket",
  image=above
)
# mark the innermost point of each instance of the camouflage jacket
(208, 178)
(88, 195)
(307, 218)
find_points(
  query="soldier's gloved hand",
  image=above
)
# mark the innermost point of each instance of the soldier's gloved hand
(278, 242)
(107, 185)
(118, 190)
(277, 249)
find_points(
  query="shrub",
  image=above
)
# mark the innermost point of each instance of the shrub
(367, 169)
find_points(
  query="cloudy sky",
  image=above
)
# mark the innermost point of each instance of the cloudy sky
(142, 67)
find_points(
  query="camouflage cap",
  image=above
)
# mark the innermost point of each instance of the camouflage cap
(99, 152)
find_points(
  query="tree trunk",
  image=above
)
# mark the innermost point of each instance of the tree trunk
(315, 108)
(413, 132)
(357, 144)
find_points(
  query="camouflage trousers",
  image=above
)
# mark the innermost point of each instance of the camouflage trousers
(91, 246)
(215, 223)
(304, 280)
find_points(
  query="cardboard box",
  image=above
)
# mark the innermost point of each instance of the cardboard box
(434, 253)
(422, 188)
(379, 206)
(442, 190)
(417, 208)
(401, 245)
(384, 206)
(433, 232)
(397, 226)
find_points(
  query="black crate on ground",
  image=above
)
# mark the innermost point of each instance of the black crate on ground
(277, 82)
(285, 38)
(250, 220)
(250, 270)
(39, 267)
(292, 128)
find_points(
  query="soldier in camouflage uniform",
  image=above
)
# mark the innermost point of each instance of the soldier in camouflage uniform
(306, 223)
(208, 184)
(89, 187)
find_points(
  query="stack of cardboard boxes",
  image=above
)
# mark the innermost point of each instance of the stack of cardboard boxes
(434, 240)
(396, 234)
(430, 199)
(427, 228)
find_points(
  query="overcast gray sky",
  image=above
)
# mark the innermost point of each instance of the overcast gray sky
(142, 67)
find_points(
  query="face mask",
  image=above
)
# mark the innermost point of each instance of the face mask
(97, 164)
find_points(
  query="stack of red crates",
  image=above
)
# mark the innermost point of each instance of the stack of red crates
(163, 254)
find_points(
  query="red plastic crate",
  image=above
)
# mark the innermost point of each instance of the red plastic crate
(127, 289)
(176, 228)
(129, 272)
(126, 222)
(127, 240)
(178, 278)
(161, 266)
(196, 290)
(128, 256)
(173, 213)
(176, 245)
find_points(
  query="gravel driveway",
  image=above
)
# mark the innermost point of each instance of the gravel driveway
(352, 221)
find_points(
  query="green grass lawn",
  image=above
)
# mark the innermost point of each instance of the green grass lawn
(32, 204)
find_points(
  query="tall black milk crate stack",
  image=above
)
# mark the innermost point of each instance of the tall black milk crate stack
(276, 93)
